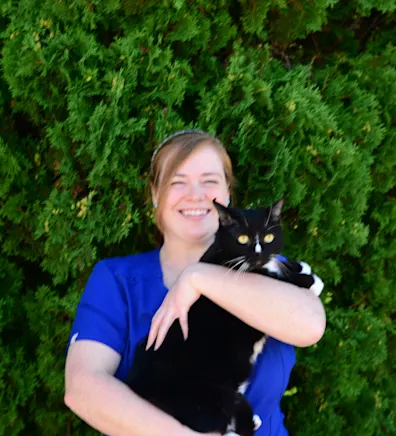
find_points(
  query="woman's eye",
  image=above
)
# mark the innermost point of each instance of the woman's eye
(177, 183)
(212, 181)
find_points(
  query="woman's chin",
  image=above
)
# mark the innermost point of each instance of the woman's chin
(200, 236)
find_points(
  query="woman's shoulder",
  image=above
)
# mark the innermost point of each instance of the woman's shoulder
(133, 265)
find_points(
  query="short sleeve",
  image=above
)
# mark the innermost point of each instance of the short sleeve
(102, 311)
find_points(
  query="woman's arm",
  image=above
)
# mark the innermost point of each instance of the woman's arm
(107, 404)
(286, 312)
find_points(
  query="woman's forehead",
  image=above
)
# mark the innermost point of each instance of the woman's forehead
(200, 173)
(205, 160)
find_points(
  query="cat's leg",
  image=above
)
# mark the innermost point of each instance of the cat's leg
(317, 286)
(256, 425)
(244, 424)
(257, 422)
(297, 273)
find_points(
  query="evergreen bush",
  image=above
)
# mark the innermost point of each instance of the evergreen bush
(303, 95)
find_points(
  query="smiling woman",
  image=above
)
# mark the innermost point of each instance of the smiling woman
(179, 172)
(185, 208)
(128, 298)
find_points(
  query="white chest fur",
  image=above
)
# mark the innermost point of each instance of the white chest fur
(257, 349)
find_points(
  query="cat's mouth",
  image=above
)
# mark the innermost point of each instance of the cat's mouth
(194, 212)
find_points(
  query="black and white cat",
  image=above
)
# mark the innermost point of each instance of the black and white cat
(201, 381)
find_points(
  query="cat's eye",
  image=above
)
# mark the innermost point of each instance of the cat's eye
(269, 238)
(243, 239)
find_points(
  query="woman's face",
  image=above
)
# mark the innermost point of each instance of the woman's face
(188, 212)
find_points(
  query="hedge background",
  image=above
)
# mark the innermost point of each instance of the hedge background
(303, 95)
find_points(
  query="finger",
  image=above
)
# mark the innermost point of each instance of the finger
(151, 337)
(163, 329)
(155, 324)
(159, 314)
(183, 320)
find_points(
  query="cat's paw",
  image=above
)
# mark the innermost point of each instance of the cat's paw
(257, 422)
(305, 268)
(317, 286)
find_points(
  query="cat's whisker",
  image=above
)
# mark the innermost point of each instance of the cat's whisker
(234, 260)
(243, 268)
(246, 269)
(239, 269)
(239, 274)
(239, 262)
(236, 264)
(284, 270)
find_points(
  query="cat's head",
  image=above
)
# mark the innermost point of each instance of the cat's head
(252, 235)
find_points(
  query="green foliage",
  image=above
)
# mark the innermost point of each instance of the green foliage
(300, 92)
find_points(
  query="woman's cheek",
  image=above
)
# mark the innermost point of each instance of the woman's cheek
(176, 191)
(220, 193)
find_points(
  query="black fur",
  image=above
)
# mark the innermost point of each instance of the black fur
(197, 380)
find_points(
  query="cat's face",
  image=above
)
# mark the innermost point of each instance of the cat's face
(252, 236)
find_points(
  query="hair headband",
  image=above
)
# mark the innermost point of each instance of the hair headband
(180, 133)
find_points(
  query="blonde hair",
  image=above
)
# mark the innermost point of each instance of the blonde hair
(172, 152)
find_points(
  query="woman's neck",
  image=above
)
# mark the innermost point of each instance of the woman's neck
(180, 256)
(175, 256)
(174, 259)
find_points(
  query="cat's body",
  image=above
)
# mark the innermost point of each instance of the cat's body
(201, 381)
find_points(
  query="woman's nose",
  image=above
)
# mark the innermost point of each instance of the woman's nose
(196, 191)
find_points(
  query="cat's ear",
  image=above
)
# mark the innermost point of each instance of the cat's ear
(224, 215)
(276, 210)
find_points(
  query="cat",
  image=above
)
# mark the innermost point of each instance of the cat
(201, 381)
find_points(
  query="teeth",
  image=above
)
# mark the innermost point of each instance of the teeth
(194, 212)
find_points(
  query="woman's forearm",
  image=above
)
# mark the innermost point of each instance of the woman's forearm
(286, 312)
(109, 406)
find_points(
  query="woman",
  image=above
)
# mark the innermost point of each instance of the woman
(188, 170)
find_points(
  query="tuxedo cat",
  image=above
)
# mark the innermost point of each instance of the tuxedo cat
(201, 381)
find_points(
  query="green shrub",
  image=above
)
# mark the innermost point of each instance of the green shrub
(302, 94)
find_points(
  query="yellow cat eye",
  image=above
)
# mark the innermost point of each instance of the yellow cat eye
(243, 239)
(269, 238)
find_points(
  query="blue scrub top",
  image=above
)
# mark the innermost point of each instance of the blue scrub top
(116, 308)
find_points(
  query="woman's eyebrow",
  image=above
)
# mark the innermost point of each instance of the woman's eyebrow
(211, 173)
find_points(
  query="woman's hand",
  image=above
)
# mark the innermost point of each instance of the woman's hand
(176, 305)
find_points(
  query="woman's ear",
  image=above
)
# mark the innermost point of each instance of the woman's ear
(154, 196)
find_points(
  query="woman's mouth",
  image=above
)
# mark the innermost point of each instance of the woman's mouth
(194, 213)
